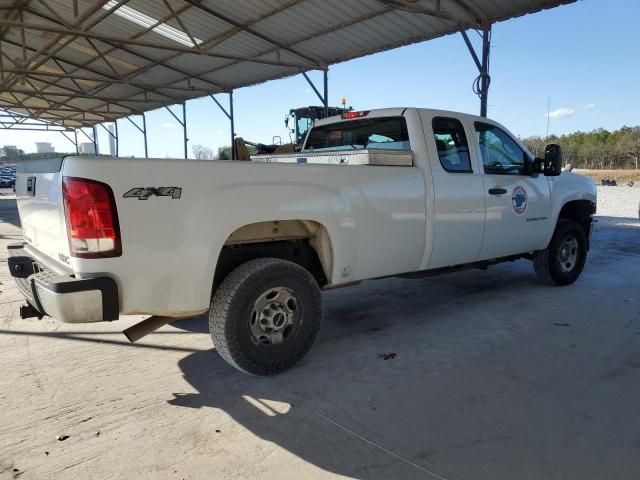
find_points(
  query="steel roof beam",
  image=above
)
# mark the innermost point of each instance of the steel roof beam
(50, 110)
(66, 75)
(413, 7)
(152, 62)
(87, 96)
(101, 113)
(48, 54)
(103, 74)
(107, 78)
(335, 28)
(93, 23)
(473, 13)
(13, 12)
(54, 58)
(117, 41)
(216, 40)
(121, 81)
(314, 61)
(97, 5)
(40, 92)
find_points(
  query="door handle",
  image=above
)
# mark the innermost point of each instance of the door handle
(497, 191)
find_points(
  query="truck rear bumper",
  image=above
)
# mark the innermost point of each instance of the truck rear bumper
(64, 297)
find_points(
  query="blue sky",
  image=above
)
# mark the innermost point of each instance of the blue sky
(584, 56)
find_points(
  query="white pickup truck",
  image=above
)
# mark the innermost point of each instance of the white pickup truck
(373, 194)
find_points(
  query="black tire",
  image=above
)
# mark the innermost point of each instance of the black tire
(233, 323)
(548, 263)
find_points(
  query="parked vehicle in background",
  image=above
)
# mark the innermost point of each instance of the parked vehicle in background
(401, 191)
(7, 175)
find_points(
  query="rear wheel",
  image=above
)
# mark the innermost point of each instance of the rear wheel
(265, 316)
(562, 262)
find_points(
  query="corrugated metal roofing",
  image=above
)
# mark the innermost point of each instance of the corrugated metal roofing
(82, 62)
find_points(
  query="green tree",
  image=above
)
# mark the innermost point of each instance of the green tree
(598, 149)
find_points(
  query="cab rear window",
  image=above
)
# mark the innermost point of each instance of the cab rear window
(382, 132)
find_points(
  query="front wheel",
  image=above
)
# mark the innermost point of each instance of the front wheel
(265, 316)
(562, 262)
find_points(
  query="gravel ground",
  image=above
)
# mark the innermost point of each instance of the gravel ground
(618, 201)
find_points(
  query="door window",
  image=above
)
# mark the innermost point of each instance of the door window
(451, 142)
(501, 155)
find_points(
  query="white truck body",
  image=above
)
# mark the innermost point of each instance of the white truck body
(362, 220)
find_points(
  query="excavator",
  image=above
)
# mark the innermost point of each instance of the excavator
(298, 122)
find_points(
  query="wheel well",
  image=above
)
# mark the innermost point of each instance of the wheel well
(304, 242)
(580, 211)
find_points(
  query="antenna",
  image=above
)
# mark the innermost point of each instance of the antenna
(548, 118)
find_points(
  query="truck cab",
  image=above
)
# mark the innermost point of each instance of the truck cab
(486, 196)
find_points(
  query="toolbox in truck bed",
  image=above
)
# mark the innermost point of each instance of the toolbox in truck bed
(364, 156)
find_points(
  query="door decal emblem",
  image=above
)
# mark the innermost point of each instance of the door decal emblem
(519, 200)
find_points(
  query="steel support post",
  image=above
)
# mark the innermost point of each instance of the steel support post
(95, 140)
(184, 128)
(484, 72)
(325, 77)
(91, 139)
(233, 133)
(75, 134)
(482, 82)
(229, 115)
(311, 84)
(114, 136)
(182, 122)
(142, 130)
(115, 126)
(144, 135)
(73, 141)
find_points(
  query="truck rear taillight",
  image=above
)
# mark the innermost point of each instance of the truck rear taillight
(92, 218)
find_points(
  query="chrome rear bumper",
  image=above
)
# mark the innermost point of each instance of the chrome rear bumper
(64, 297)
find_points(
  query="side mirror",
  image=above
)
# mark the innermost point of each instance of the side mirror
(286, 122)
(536, 167)
(552, 160)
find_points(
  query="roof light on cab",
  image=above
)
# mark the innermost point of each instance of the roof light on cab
(350, 115)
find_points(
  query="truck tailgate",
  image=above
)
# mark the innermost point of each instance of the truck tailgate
(39, 198)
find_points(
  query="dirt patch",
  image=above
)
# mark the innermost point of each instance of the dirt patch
(620, 176)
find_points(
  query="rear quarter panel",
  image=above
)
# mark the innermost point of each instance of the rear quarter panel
(375, 217)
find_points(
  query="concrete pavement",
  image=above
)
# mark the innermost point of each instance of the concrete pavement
(494, 377)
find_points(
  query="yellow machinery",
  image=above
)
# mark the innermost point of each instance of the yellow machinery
(302, 120)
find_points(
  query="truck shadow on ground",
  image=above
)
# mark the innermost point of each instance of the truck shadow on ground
(9, 211)
(356, 405)
(443, 377)
(614, 234)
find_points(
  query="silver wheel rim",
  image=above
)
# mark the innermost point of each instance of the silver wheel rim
(568, 253)
(275, 317)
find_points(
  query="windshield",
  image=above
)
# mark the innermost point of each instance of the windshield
(303, 123)
(383, 132)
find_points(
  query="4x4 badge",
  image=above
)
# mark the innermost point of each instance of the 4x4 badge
(143, 193)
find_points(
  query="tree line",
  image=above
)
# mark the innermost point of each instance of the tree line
(599, 149)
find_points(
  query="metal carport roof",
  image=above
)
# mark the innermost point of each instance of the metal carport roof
(83, 62)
